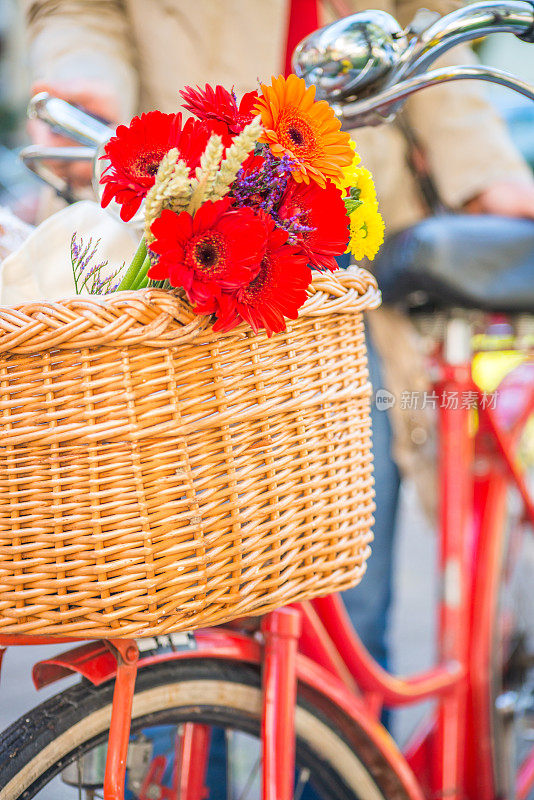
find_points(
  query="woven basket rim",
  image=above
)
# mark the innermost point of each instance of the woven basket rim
(157, 318)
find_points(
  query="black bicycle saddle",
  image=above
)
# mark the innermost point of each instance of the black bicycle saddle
(468, 261)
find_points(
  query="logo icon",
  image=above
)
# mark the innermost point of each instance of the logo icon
(384, 399)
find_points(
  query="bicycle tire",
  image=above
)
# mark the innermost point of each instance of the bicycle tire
(510, 663)
(344, 762)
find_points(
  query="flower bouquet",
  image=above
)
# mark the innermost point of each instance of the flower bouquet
(196, 446)
(242, 202)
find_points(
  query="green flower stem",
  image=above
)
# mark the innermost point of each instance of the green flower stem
(136, 265)
(141, 279)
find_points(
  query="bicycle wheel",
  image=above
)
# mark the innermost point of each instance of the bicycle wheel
(512, 658)
(512, 633)
(334, 759)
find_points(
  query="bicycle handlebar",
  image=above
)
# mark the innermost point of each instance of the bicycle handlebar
(369, 111)
(365, 64)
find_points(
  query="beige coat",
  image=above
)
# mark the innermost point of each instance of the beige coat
(146, 50)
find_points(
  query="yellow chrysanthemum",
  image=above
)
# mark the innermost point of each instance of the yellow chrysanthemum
(366, 231)
(363, 180)
(350, 172)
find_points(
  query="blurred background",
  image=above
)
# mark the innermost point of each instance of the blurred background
(18, 187)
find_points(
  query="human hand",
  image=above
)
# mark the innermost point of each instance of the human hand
(505, 199)
(93, 97)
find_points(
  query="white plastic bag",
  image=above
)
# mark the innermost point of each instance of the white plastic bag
(41, 267)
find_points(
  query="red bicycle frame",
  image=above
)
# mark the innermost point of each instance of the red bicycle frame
(452, 754)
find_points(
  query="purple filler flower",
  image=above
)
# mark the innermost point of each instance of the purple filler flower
(87, 276)
(264, 188)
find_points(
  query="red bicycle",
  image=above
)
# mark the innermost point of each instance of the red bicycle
(295, 697)
(304, 676)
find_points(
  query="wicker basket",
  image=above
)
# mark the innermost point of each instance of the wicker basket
(157, 477)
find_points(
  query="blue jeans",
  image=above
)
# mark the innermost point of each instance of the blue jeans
(368, 604)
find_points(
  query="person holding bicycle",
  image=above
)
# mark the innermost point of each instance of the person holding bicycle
(119, 57)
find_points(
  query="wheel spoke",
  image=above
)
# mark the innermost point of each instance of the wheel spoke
(79, 771)
(250, 780)
(228, 741)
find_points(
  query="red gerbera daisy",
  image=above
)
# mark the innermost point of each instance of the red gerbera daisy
(136, 150)
(277, 291)
(324, 212)
(220, 104)
(220, 247)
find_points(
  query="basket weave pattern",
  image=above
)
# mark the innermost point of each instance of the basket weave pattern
(157, 477)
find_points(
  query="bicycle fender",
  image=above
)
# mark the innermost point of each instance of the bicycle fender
(96, 662)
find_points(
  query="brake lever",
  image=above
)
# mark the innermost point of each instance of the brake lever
(34, 157)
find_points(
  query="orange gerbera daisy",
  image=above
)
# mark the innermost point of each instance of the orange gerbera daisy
(303, 129)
